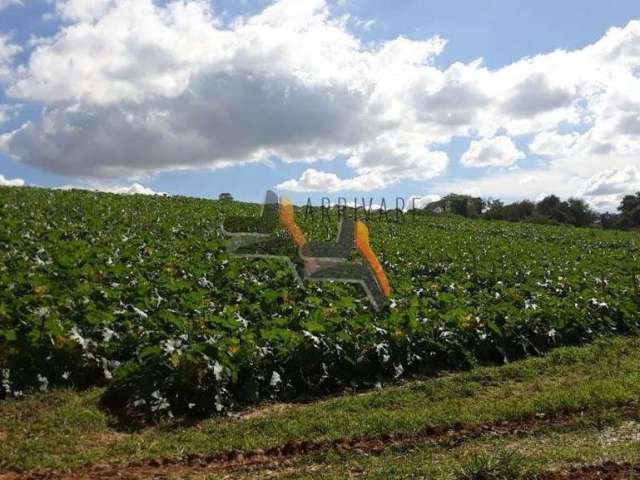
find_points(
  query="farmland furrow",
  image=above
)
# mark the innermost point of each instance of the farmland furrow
(450, 436)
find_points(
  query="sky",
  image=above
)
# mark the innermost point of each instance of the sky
(323, 98)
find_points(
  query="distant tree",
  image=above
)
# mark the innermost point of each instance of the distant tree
(464, 205)
(580, 212)
(609, 220)
(492, 203)
(552, 207)
(540, 219)
(514, 212)
(630, 211)
(521, 210)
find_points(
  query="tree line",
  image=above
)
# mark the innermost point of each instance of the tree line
(550, 211)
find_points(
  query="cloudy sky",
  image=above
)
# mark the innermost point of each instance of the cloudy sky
(509, 99)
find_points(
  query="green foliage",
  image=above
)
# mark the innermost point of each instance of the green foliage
(464, 205)
(549, 211)
(630, 211)
(138, 293)
(504, 465)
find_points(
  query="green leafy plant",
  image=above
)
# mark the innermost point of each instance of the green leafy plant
(138, 293)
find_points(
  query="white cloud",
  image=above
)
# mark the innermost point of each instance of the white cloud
(7, 52)
(83, 10)
(606, 189)
(7, 3)
(7, 112)
(513, 185)
(379, 163)
(398, 156)
(4, 114)
(6, 182)
(316, 181)
(553, 144)
(133, 189)
(171, 85)
(497, 151)
(421, 202)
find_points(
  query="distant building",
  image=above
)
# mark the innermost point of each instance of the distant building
(225, 196)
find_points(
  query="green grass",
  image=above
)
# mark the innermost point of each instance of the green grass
(511, 457)
(66, 429)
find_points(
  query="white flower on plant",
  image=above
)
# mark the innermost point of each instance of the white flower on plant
(108, 334)
(75, 335)
(398, 370)
(66, 375)
(275, 379)
(380, 331)
(44, 383)
(382, 351)
(244, 323)
(316, 340)
(41, 312)
(142, 314)
(218, 403)
(172, 345)
(217, 371)
(159, 402)
(6, 381)
(596, 303)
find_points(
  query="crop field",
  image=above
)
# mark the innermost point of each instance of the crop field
(128, 312)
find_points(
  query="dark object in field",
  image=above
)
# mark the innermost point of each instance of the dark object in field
(351, 273)
(338, 251)
(317, 261)
(225, 196)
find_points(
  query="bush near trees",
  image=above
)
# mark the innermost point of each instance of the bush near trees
(551, 210)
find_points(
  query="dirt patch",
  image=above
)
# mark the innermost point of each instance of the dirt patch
(626, 433)
(283, 455)
(265, 411)
(606, 471)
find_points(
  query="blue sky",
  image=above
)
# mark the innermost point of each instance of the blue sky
(526, 122)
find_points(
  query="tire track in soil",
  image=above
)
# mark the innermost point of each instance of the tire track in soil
(284, 455)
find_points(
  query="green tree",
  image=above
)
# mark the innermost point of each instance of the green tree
(630, 211)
